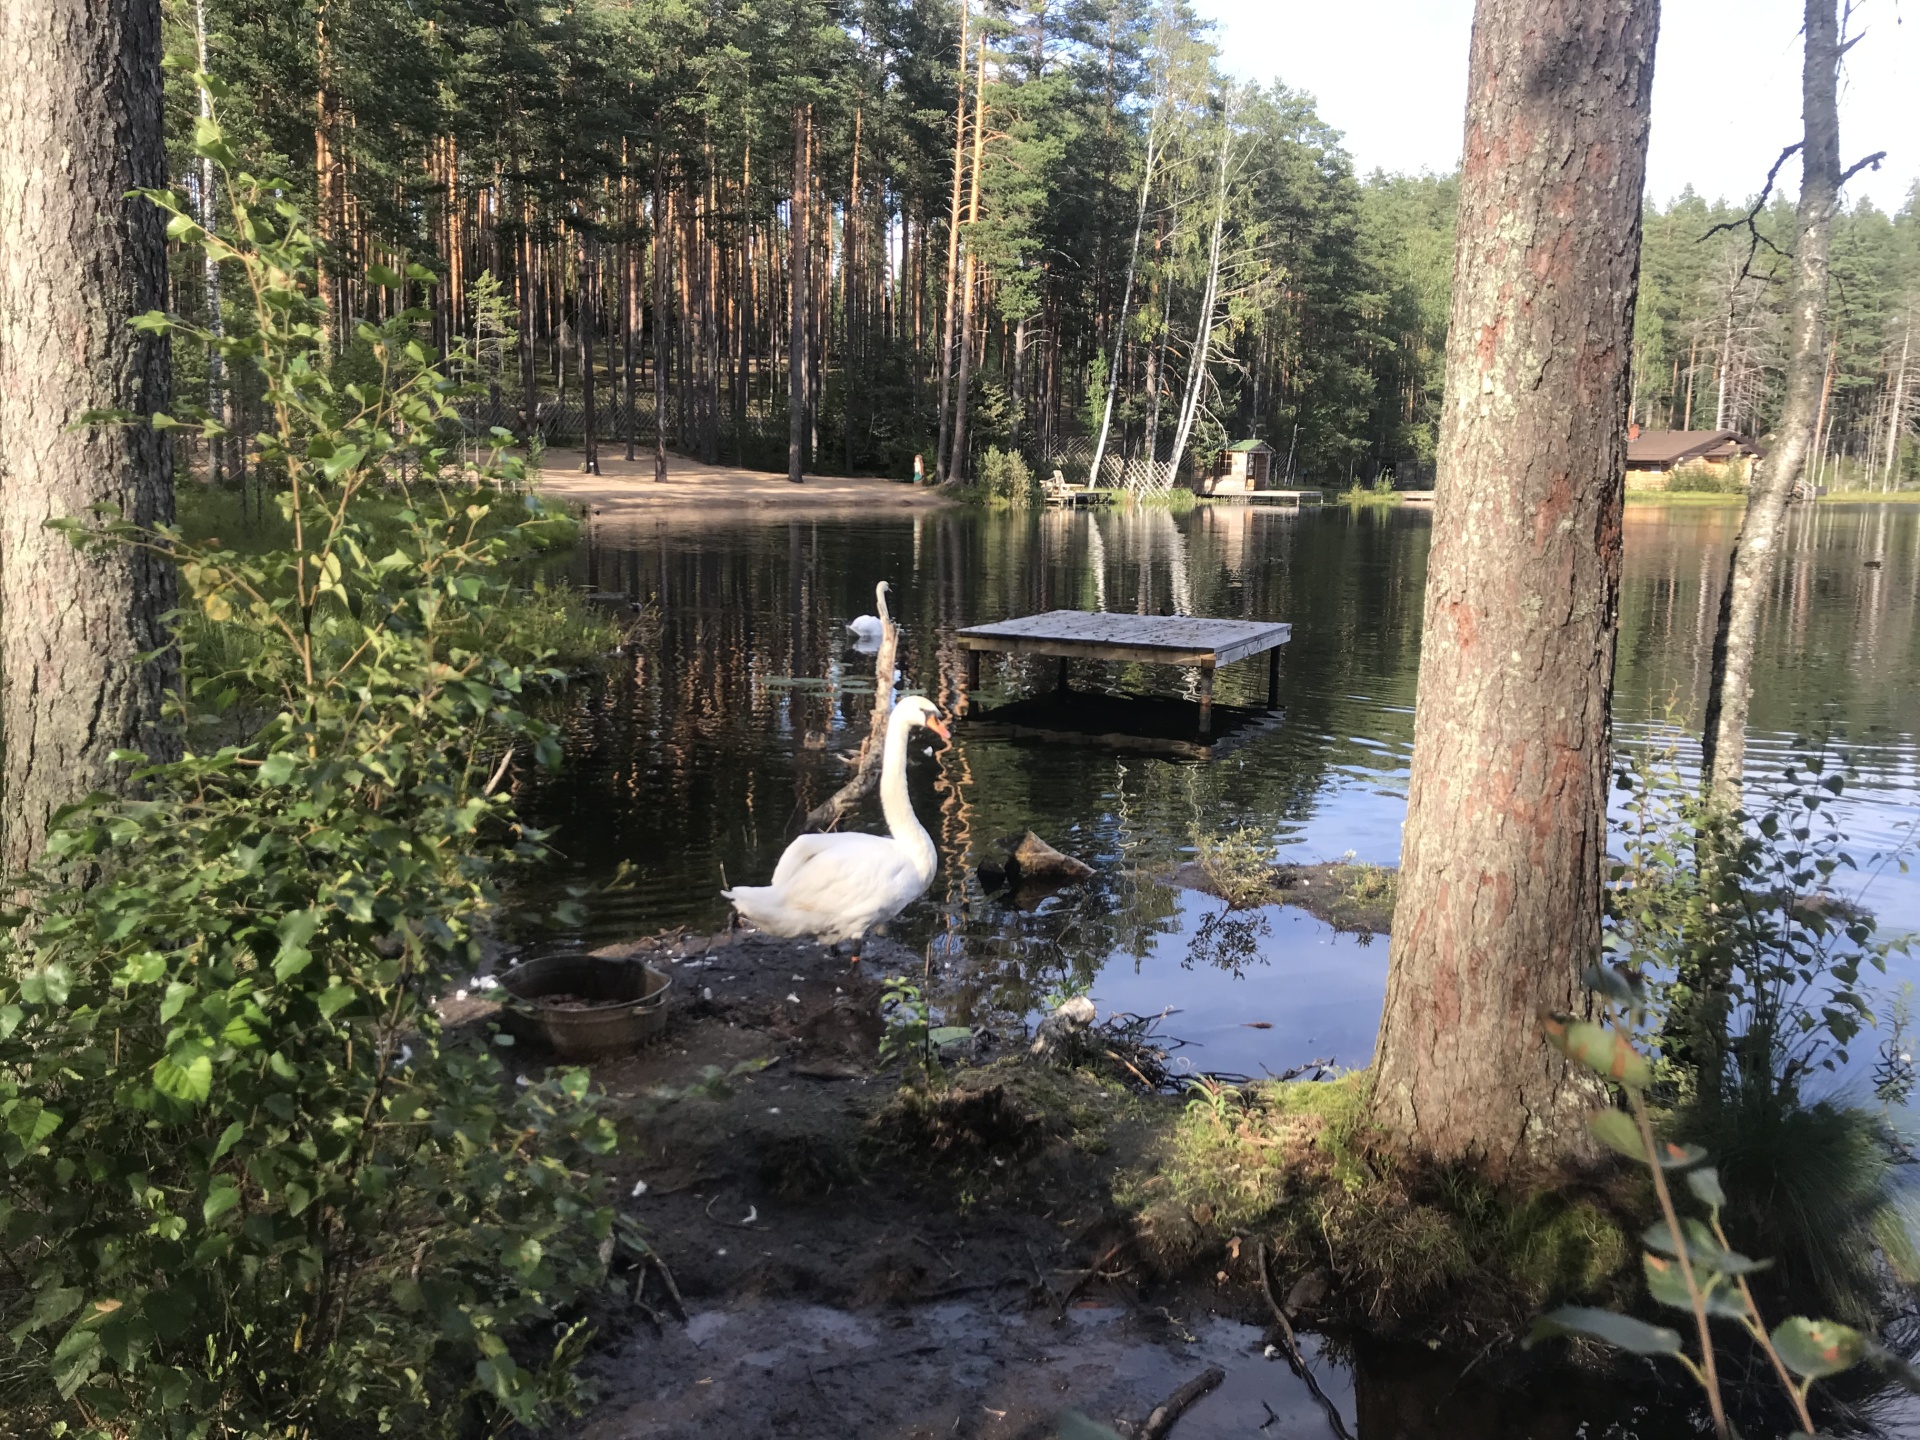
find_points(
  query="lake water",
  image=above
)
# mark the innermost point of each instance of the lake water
(695, 760)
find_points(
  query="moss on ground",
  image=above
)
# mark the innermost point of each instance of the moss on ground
(1292, 1166)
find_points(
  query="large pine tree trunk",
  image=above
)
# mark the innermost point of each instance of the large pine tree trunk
(1500, 886)
(79, 127)
(1724, 737)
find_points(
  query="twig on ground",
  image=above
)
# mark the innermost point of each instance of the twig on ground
(1295, 1359)
(673, 1289)
(1167, 1415)
(1088, 1274)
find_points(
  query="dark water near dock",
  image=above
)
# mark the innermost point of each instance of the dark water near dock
(697, 759)
(694, 760)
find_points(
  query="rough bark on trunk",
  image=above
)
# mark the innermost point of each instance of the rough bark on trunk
(797, 297)
(80, 105)
(1756, 548)
(1502, 855)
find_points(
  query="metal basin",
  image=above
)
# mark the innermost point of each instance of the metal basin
(626, 1009)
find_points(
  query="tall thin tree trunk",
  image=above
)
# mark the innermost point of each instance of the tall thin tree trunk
(1503, 851)
(1755, 550)
(797, 296)
(659, 324)
(82, 668)
(1898, 409)
(1203, 341)
(953, 246)
(956, 468)
(1126, 295)
(210, 268)
(583, 310)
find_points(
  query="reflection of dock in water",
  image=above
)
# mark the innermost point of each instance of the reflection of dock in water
(1156, 725)
(1186, 640)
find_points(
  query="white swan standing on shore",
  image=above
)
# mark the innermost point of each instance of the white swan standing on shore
(869, 628)
(834, 888)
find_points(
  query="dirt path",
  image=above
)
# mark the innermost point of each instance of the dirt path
(627, 489)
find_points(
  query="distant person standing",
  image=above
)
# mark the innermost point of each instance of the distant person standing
(919, 470)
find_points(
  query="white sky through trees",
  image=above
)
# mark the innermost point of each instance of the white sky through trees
(1392, 75)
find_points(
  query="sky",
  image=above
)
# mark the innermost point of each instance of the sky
(1392, 75)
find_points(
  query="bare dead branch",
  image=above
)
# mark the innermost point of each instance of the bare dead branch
(1748, 221)
(1871, 162)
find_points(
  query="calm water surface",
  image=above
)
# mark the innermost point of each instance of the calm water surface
(695, 760)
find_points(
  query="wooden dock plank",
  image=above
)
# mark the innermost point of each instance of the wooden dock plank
(1155, 639)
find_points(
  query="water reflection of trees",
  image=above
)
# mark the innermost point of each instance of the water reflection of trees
(701, 753)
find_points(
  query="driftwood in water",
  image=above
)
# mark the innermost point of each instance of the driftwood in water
(866, 770)
(1026, 858)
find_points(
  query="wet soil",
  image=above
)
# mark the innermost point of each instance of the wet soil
(861, 1259)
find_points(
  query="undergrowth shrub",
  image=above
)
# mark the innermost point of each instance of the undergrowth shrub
(1752, 931)
(248, 1190)
(1003, 476)
(1702, 479)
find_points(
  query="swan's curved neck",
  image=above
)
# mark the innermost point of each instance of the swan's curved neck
(896, 804)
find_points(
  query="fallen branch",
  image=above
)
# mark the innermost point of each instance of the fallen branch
(1294, 1358)
(1163, 1419)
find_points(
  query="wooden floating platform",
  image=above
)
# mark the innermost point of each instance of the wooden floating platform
(1152, 724)
(1153, 639)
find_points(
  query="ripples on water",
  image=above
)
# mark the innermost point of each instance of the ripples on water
(697, 758)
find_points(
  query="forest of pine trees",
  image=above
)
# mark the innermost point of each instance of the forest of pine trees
(990, 215)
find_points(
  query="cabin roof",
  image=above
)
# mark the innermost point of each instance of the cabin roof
(1676, 447)
(1248, 446)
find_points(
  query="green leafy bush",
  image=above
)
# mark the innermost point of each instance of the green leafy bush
(248, 1190)
(1701, 479)
(1002, 475)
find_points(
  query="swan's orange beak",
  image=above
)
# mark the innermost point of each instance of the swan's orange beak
(939, 727)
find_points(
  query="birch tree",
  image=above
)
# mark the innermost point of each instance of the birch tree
(1755, 550)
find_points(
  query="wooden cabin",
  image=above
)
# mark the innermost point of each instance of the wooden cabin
(1241, 468)
(1653, 455)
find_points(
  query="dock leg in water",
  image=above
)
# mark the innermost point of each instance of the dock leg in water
(1060, 682)
(1273, 678)
(1206, 699)
(972, 683)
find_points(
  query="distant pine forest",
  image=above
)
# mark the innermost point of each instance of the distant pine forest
(992, 220)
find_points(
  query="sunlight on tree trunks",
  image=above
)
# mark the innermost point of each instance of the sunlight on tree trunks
(1504, 843)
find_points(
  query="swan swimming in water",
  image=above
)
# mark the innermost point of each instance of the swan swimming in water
(834, 888)
(868, 629)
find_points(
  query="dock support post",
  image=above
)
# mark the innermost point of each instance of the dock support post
(1206, 698)
(1273, 678)
(1060, 683)
(972, 681)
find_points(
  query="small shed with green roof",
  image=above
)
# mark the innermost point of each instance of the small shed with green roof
(1244, 466)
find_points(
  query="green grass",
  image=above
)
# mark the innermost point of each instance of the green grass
(1871, 497)
(1683, 498)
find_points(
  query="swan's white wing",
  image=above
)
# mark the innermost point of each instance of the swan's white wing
(803, 849)
(836, 888)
